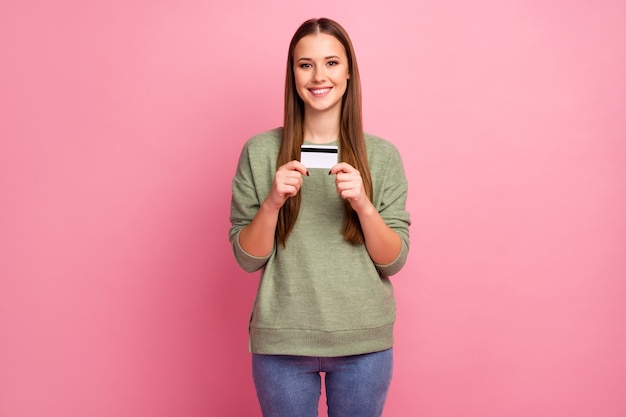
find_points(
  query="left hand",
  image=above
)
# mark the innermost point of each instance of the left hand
(349, 185)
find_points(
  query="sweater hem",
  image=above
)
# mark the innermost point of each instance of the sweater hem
(317, 343)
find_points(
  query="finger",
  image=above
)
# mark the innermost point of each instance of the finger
(288, 183)
(295, 166)
(291, 191)
(347, 177)
(284, 173)
(342, 167)
(293, 181)
(348, 190)
(348, 195)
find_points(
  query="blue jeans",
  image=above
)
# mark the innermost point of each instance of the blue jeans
(290, 386)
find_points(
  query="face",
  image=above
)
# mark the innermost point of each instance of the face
(321, 72)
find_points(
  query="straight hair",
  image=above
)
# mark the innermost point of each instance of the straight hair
(351, 138)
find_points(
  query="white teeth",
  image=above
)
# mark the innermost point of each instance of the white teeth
(322, 91)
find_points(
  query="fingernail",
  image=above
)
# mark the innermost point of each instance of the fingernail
(330, 172)
(307, 172)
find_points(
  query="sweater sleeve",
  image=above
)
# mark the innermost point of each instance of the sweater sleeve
(391, 204)
(244, 205)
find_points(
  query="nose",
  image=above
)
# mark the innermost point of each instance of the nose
(319, 74)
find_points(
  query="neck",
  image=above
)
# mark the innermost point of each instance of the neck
(321, 127)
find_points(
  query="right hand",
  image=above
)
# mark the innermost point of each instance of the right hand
(287, 183)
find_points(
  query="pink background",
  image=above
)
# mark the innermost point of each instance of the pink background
(120, 127)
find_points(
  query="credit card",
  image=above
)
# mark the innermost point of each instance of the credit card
(319, 156)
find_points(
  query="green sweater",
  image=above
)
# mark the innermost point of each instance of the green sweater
(320, 295)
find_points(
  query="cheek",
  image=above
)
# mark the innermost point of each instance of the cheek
(300, 78)
(345, 81)
(343, 77)
(300, 86)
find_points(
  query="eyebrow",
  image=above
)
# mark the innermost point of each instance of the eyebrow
(311, 59)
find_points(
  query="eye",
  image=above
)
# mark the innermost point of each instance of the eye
(332, 63)
(305, 65)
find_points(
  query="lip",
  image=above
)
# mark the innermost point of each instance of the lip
(320, 91)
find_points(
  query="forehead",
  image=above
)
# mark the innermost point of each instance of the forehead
(318, 45)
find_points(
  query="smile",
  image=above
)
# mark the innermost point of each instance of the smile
(320, 92)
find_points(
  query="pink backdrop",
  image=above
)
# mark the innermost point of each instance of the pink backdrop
(120, 127)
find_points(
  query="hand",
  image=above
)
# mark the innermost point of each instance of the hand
(350, 186)
(287, 183)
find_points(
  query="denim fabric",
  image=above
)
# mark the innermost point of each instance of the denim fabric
(290, 386)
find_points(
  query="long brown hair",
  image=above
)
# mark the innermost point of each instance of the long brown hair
(351, 138)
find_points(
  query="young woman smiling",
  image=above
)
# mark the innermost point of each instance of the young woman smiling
(326, 241)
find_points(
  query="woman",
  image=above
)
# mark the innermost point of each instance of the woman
(327, 241)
